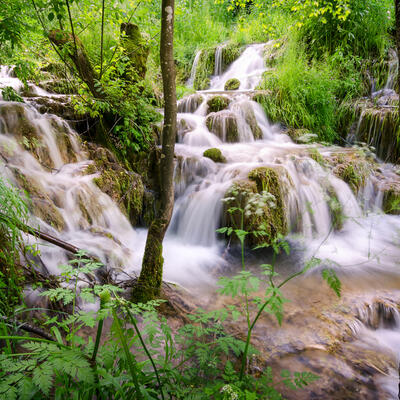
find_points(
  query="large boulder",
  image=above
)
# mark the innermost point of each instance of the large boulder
(224, 125)
(261, 198)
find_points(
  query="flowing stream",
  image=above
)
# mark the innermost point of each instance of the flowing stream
(42, 152)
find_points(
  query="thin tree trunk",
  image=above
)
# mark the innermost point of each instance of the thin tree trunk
(150, 279)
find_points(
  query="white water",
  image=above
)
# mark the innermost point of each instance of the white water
(368, 240)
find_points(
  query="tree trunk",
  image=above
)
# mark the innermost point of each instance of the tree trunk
(150, 279)
(65, 41)
(397, 12)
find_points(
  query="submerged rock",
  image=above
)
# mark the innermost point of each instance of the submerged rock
(215, 155)
(232, 84)
(301, 135)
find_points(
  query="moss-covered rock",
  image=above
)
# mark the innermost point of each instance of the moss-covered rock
(353, 167)
(301, 135)
(215, 155)
(205, 69)
(224, 125)
(124, 187)
(270, 219)
(247, 111)
(40, 204)
(230, 52)
(232, 84)
(314, 154)
(218, 103)
(136, 48)
(335, 209)
(391, 199)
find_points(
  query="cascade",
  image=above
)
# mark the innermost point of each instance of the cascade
(194, 68)
(44, 155)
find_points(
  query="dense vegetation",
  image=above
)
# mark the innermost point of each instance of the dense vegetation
(322, 53)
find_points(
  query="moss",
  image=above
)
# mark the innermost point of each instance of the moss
(336, 209)
(205, 69)
(215, 155)
(40, 203)
(352, 174)
(123, 186)
(217, 103)
(314, 154)
(301, 135)
(230, 52)
(251, 120)
(273, 52)
(391, 200)
(136, 48)
(273, 220)
(232, 84)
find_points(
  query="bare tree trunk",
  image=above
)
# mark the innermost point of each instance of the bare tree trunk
(150, 279)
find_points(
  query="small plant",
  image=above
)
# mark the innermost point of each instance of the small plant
(9, 94)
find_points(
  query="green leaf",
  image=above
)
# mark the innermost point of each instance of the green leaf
(329, 275)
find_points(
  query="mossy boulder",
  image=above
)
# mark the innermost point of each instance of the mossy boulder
(136, 48)
(232, 84)
(204, 70)
(230, 52)
(215, 155)
(391, 199)
(224, 125)
(270, 218)
(40, 203)
(301, 135)
(123, 186)
(218, 103)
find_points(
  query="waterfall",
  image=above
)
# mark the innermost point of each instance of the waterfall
(218, 61)
(190, 81)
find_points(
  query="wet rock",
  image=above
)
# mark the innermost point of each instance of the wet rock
(378, 126)
(301, 135)
(124, 187)
(230, 52)
(268, 217)
(40, 203)
(190, 103)
(218, 103)
(352, 167)
(215, 155)
(391, 198)
(205, 69)
(250, 118)
(232, 84)
(224, 125)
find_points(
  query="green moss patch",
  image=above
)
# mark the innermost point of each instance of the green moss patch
(215, 155)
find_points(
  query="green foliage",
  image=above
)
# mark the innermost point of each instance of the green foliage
(9, 94)
(12, 209)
